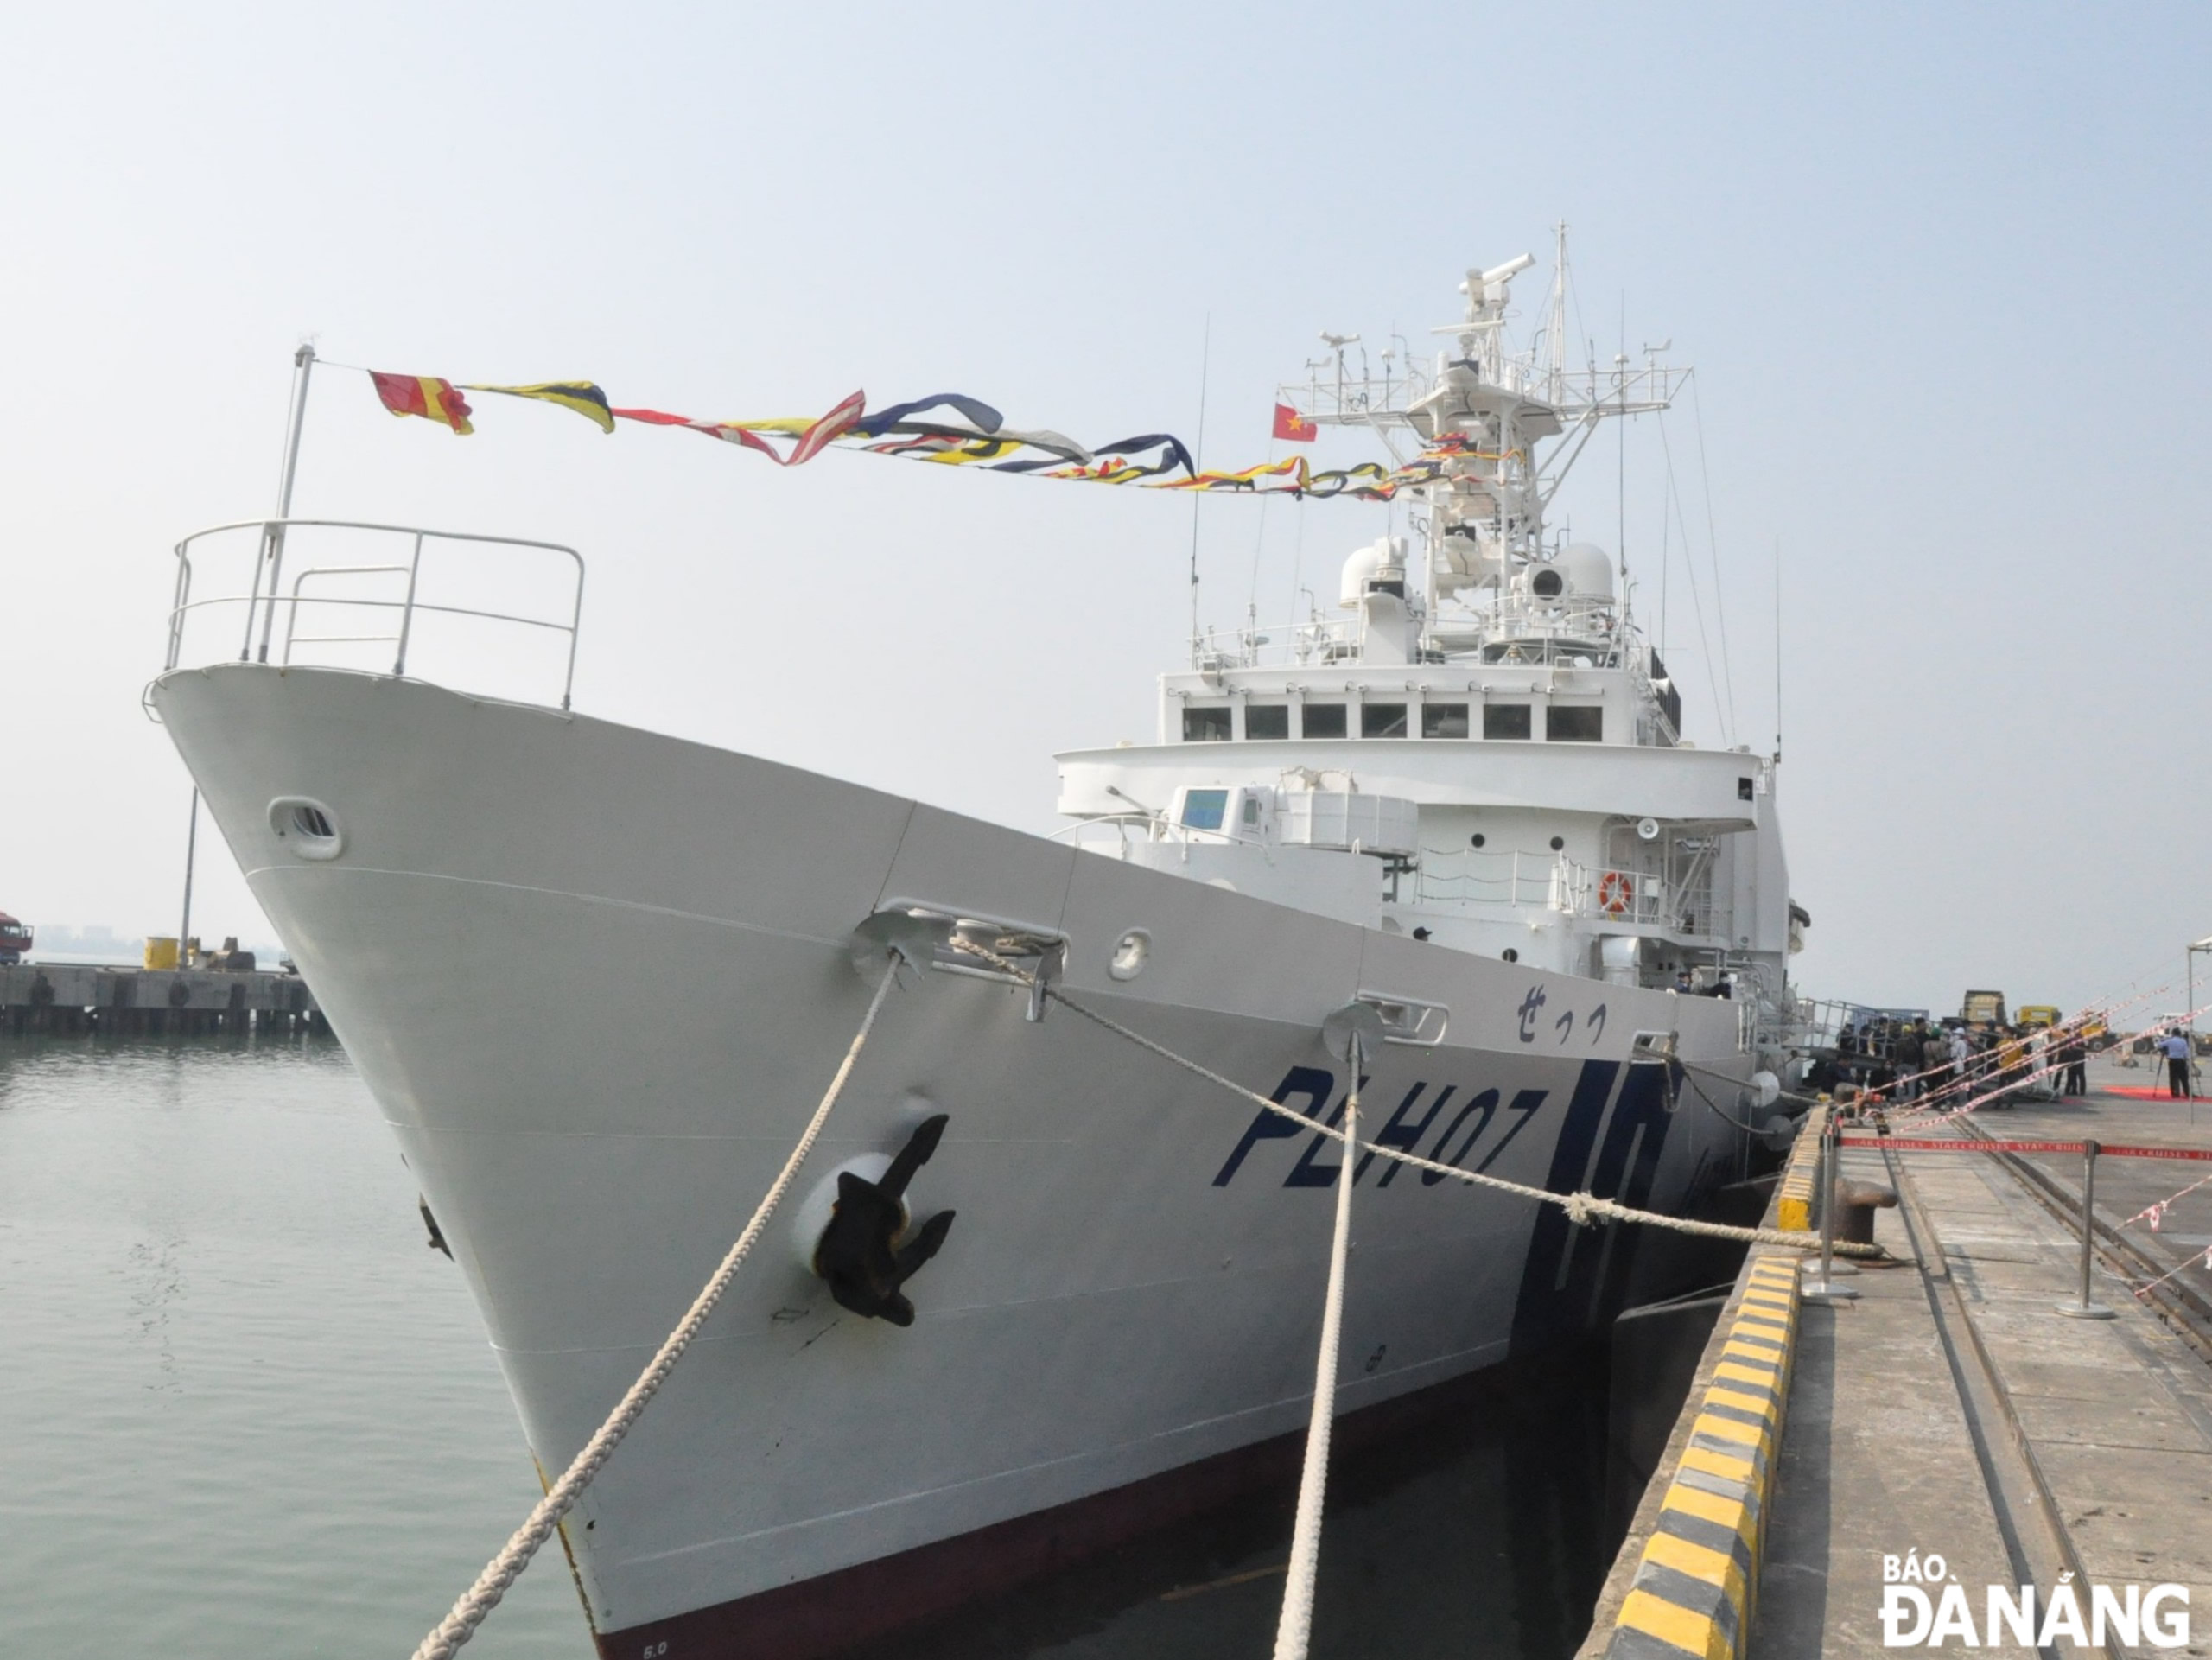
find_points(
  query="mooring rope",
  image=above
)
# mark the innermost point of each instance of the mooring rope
(1295, 1626)
(1582, 1208)
(458, 1627)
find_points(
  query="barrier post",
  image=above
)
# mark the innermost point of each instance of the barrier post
(1825, 1289)
(2086, 1309)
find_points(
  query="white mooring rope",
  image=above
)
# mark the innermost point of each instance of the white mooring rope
(457, 1627)
(1581, 1208)
(1295, 1626)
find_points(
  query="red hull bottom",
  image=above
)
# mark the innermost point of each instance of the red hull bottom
(829, 1614)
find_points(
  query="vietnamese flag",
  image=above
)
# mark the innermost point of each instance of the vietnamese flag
(1290, 424)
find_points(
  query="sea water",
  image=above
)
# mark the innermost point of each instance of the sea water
(245, 1411)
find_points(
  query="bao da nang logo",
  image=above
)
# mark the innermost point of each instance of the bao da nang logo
(1924, 1607)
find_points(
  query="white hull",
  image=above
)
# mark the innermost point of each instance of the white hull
(596, 979)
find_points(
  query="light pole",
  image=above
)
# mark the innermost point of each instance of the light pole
(2189, 1021)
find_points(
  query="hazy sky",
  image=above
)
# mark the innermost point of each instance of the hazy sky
(1940, 270)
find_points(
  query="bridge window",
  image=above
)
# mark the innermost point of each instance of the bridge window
(1267, 721)
(1575, 725)
(1324, 721)
(1205, 726)
(1505, 720)
(1202, 808)
(1443, 719)
(1382, 720)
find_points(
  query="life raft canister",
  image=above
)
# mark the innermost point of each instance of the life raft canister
(1616, 892)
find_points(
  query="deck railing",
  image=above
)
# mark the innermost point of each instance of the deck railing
(273, 615)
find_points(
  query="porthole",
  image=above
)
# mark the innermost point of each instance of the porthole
(1476, 840)
(307, 828)
(1558, 843)
(1508, 955)
(1130, 951)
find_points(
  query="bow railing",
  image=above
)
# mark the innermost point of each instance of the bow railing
(377, 610)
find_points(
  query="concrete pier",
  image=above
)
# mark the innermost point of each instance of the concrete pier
(80, 997)
(1952, 1409)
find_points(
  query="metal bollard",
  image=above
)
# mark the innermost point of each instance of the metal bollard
(2086, 1309)
(1825, 1289)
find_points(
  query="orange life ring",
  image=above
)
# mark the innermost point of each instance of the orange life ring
(1616, 892)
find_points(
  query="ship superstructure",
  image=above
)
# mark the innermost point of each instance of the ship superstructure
(1476, 746)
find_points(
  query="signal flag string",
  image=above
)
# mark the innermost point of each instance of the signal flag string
(947, 429)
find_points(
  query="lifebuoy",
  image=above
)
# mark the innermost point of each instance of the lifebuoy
(1616, 892)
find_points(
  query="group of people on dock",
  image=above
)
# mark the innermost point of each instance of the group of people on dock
(1913, 1059)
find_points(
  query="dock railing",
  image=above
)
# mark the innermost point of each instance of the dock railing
(388, 619)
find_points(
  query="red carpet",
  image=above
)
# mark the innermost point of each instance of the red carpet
(2142, 1092)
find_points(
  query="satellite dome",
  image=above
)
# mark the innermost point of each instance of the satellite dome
(1588, 570)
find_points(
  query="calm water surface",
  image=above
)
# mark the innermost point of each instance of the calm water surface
(248, 1413)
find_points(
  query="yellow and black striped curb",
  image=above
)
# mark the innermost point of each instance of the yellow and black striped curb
(1700, 1569)
(1793, 1209)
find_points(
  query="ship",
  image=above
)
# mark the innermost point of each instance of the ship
(596, 979)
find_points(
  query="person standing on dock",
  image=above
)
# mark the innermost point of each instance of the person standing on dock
(1909, 1050)
(2011, 1068)
(2075, 1056)
(2174, 1046)
(1934, 1061)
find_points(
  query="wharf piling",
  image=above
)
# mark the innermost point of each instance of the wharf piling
(65, 998)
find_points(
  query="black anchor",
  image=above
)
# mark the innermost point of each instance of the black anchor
(856, 1254)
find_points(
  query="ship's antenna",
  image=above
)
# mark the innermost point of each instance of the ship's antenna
(1555, 325)
(1713, 546)
(1620, 392)
(1777, 651)
(1206, 362)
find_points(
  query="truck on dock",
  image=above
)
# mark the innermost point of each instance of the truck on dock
(1983, 1009)
(15, 939)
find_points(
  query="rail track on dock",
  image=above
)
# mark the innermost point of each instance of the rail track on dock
(2023, 1503)
(2186, 1309)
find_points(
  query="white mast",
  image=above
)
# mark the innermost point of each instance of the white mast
(1556, 318)
(1482, 415)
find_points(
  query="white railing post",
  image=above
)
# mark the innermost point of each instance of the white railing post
(407, 611)
(575, 627)
(253, 594)
(177, 601)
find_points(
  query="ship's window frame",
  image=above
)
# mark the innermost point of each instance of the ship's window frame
(1267, 715)
(1497, 717)
(1331, 714)
(1574, 723)
(1435, 718)
(1382, 720)
(1203, 809)
(1206, 723)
